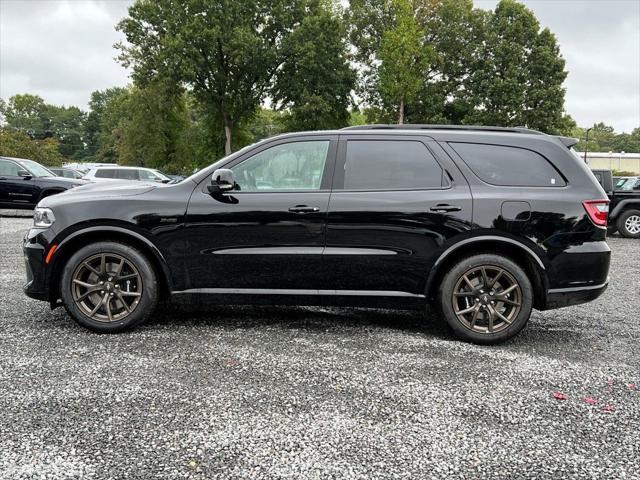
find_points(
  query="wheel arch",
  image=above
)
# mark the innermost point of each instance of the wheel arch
(624, 205)
(47, 192)
(102, 233)
(522, 255)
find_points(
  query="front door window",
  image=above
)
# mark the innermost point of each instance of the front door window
(289, 166)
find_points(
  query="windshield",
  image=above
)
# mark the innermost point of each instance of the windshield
(211, 168)
(36, 169)
(161, 175)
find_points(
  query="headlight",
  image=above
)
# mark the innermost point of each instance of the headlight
(43, 217)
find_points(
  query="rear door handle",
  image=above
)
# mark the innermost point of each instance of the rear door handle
(304, 209)
(446, 208)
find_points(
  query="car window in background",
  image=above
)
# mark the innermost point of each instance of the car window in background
(153, 175)
(289, 166)
(105, 173)
(629, 184)
(36, 169)
(8, 168)
(390, 164)
(127, 174)
(509, 166)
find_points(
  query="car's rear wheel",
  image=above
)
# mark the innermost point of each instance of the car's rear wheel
(109, 287)
(486, 298)
(629, 224)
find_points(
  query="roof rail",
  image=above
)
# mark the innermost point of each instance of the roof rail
(416, 126)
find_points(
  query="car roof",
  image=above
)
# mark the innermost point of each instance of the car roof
(442, 132)
(103, 167)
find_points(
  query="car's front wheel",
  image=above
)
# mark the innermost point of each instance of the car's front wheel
(109, 287)
(486, 298)
(629, 224)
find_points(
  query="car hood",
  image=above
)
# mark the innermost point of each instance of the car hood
(98, 190)
(61, 181)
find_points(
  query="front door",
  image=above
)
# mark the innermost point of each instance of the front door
(267, 235)
(396, 202)
(16, 191)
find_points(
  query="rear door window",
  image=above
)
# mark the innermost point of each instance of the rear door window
(127, 174)
(105, 173)
(390, 165)
(508, 166)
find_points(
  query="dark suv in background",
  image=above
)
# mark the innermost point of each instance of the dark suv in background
(23, 183)
(484, 224)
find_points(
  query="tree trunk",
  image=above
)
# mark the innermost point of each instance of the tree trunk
(227, 143)
(228, 126)
(401, 114)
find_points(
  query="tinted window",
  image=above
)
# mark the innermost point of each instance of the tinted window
(289, 166)
(127, 174)
(389, 164)
(508, 166)
(105, 173)
(8, 168)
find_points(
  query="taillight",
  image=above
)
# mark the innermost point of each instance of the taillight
(598, 211)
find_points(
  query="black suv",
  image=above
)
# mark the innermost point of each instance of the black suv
(482, 223)
(23, 183)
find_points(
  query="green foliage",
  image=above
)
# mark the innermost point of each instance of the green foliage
(226, 52)
(31, 115)
(18, 144)
(315, 81)
(602, 138)
(404, 59)
(519, 76)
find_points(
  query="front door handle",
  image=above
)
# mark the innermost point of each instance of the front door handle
(445, 208)
(304, 209)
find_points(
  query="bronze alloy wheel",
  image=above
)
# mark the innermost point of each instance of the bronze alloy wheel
(106, 287)
(487, 299)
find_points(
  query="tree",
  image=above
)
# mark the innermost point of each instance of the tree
(518, 78)
(315, 80)
(226, 52)
(152, 131)
(404, 59)
(18, 144)
(28, 114)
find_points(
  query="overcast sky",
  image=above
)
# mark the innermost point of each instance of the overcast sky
(63, 50)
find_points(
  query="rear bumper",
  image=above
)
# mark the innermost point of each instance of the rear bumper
(565, 297)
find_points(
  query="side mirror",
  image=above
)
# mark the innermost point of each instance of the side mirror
(24, 174)
(222, 181)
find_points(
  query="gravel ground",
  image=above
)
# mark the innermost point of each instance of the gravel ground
(318, 393)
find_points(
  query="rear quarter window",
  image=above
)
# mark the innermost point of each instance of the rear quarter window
(508, 166)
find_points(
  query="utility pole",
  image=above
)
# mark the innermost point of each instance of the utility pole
(586, 144)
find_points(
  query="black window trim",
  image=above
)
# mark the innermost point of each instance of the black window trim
(327, 174)
(341, 158)
(551, 164)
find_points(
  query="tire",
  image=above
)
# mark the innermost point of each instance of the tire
(629, 224)
(127, 296)
(481, 324)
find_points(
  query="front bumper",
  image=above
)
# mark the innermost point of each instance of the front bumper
(565, 297)
(34, 247)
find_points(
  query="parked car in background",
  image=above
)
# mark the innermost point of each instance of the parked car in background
(98, 174)
(23, 183)
(483, 224)
(67, 172)
(627, 183)
(624, 209)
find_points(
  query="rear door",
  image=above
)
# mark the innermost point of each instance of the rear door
(396, 201)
